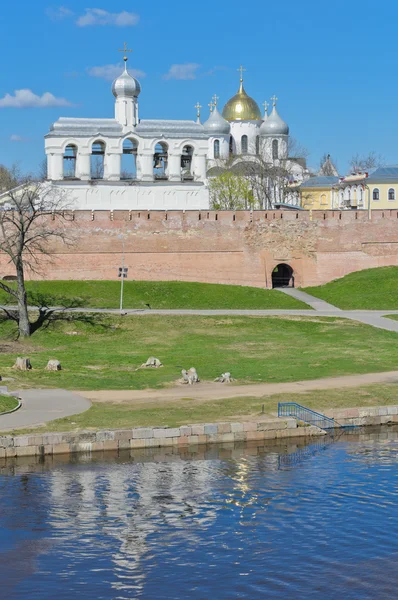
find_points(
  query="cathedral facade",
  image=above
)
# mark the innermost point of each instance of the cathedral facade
(128, 163)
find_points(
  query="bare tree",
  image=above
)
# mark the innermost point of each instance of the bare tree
(31, 215)
(366, 162)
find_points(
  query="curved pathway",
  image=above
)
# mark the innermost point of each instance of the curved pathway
(41, 406)
(208, 391)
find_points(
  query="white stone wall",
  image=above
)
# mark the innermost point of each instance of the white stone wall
(249, 128)
(156, 196)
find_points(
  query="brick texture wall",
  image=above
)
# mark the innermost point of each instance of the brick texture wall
(239, 248)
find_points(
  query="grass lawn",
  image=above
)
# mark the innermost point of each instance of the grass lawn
(186, 412)
(374, 289)
(103, 351)
(7, 403)
(159, 294)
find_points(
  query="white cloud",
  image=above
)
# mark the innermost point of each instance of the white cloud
(110, 72)
(57, 13)
(182, 72)
(97, 16)
(18, 138)
(27, 99)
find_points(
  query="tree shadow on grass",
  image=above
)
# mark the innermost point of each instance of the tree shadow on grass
(50, 309)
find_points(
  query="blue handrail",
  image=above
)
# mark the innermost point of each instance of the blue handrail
(301, 413)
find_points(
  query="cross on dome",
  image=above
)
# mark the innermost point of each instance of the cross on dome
(198, 107)
(241, 71)
(215, 100)
(125, 50)
(211, 106)
(274, 100)
(266, 105)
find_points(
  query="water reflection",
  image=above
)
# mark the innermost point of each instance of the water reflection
(275, 520)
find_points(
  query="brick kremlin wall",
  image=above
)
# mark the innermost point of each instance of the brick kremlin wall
(222, 247)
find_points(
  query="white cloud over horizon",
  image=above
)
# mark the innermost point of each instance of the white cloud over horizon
(111, 72)
(183, 72)
(27, 99)
(57, 13)
(98, 16)
(18, 138)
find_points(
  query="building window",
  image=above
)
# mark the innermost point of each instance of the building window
(231, 145)
(376, 194)
(324, 199)
(360, 195)
(216, 148)
(97, 160)
(244, 144)
(391, 194)
(257, 144)
(70, 157)
(275, 150)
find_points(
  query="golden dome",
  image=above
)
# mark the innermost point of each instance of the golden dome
(241, 107)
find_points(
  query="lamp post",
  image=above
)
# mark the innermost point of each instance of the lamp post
(123, 272)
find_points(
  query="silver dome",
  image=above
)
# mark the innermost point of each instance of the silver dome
(216, 124)
(126, 86)
(274, 125)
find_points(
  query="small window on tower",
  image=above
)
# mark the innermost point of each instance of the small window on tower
(244, 144)
(275, 150)
(257, 144)
(216, 148)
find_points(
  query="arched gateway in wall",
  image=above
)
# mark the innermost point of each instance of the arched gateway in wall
(282, 276)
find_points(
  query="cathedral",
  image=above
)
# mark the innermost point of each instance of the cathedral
(130, 163)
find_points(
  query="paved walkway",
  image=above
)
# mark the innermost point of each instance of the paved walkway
(315, 303)
(41, 406)
(208, 391)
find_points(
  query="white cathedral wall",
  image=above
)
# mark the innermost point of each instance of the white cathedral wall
(105, 196)
(224, 147)
(249, 128)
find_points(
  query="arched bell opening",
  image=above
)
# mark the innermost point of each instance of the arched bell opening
(186, 163)
(283, 276)
(129, 160)
(97, 160)
(160, 161)
(70, 159)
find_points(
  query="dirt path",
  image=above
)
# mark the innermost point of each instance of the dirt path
(208, 391)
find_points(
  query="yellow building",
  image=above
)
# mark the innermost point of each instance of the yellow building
(382, 188)
(318, 193)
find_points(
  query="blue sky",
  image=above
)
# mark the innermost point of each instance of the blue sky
(332, 65)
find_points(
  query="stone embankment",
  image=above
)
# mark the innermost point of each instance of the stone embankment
(187, 435)
(123, 439)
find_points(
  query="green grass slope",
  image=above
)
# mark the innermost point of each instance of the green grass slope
(7, 403)
(373, 289)
(103, 352)
(161, 294)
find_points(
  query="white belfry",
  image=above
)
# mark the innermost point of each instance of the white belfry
(128, 163)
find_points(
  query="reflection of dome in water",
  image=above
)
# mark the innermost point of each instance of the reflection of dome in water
(241, 107)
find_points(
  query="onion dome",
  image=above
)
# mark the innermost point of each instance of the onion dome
(274, 124)
(241, 107)
(126, 86)
(216, 124)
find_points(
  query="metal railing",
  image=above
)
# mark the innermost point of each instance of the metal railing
(301, 413)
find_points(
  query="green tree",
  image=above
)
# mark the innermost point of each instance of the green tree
(229, 191)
